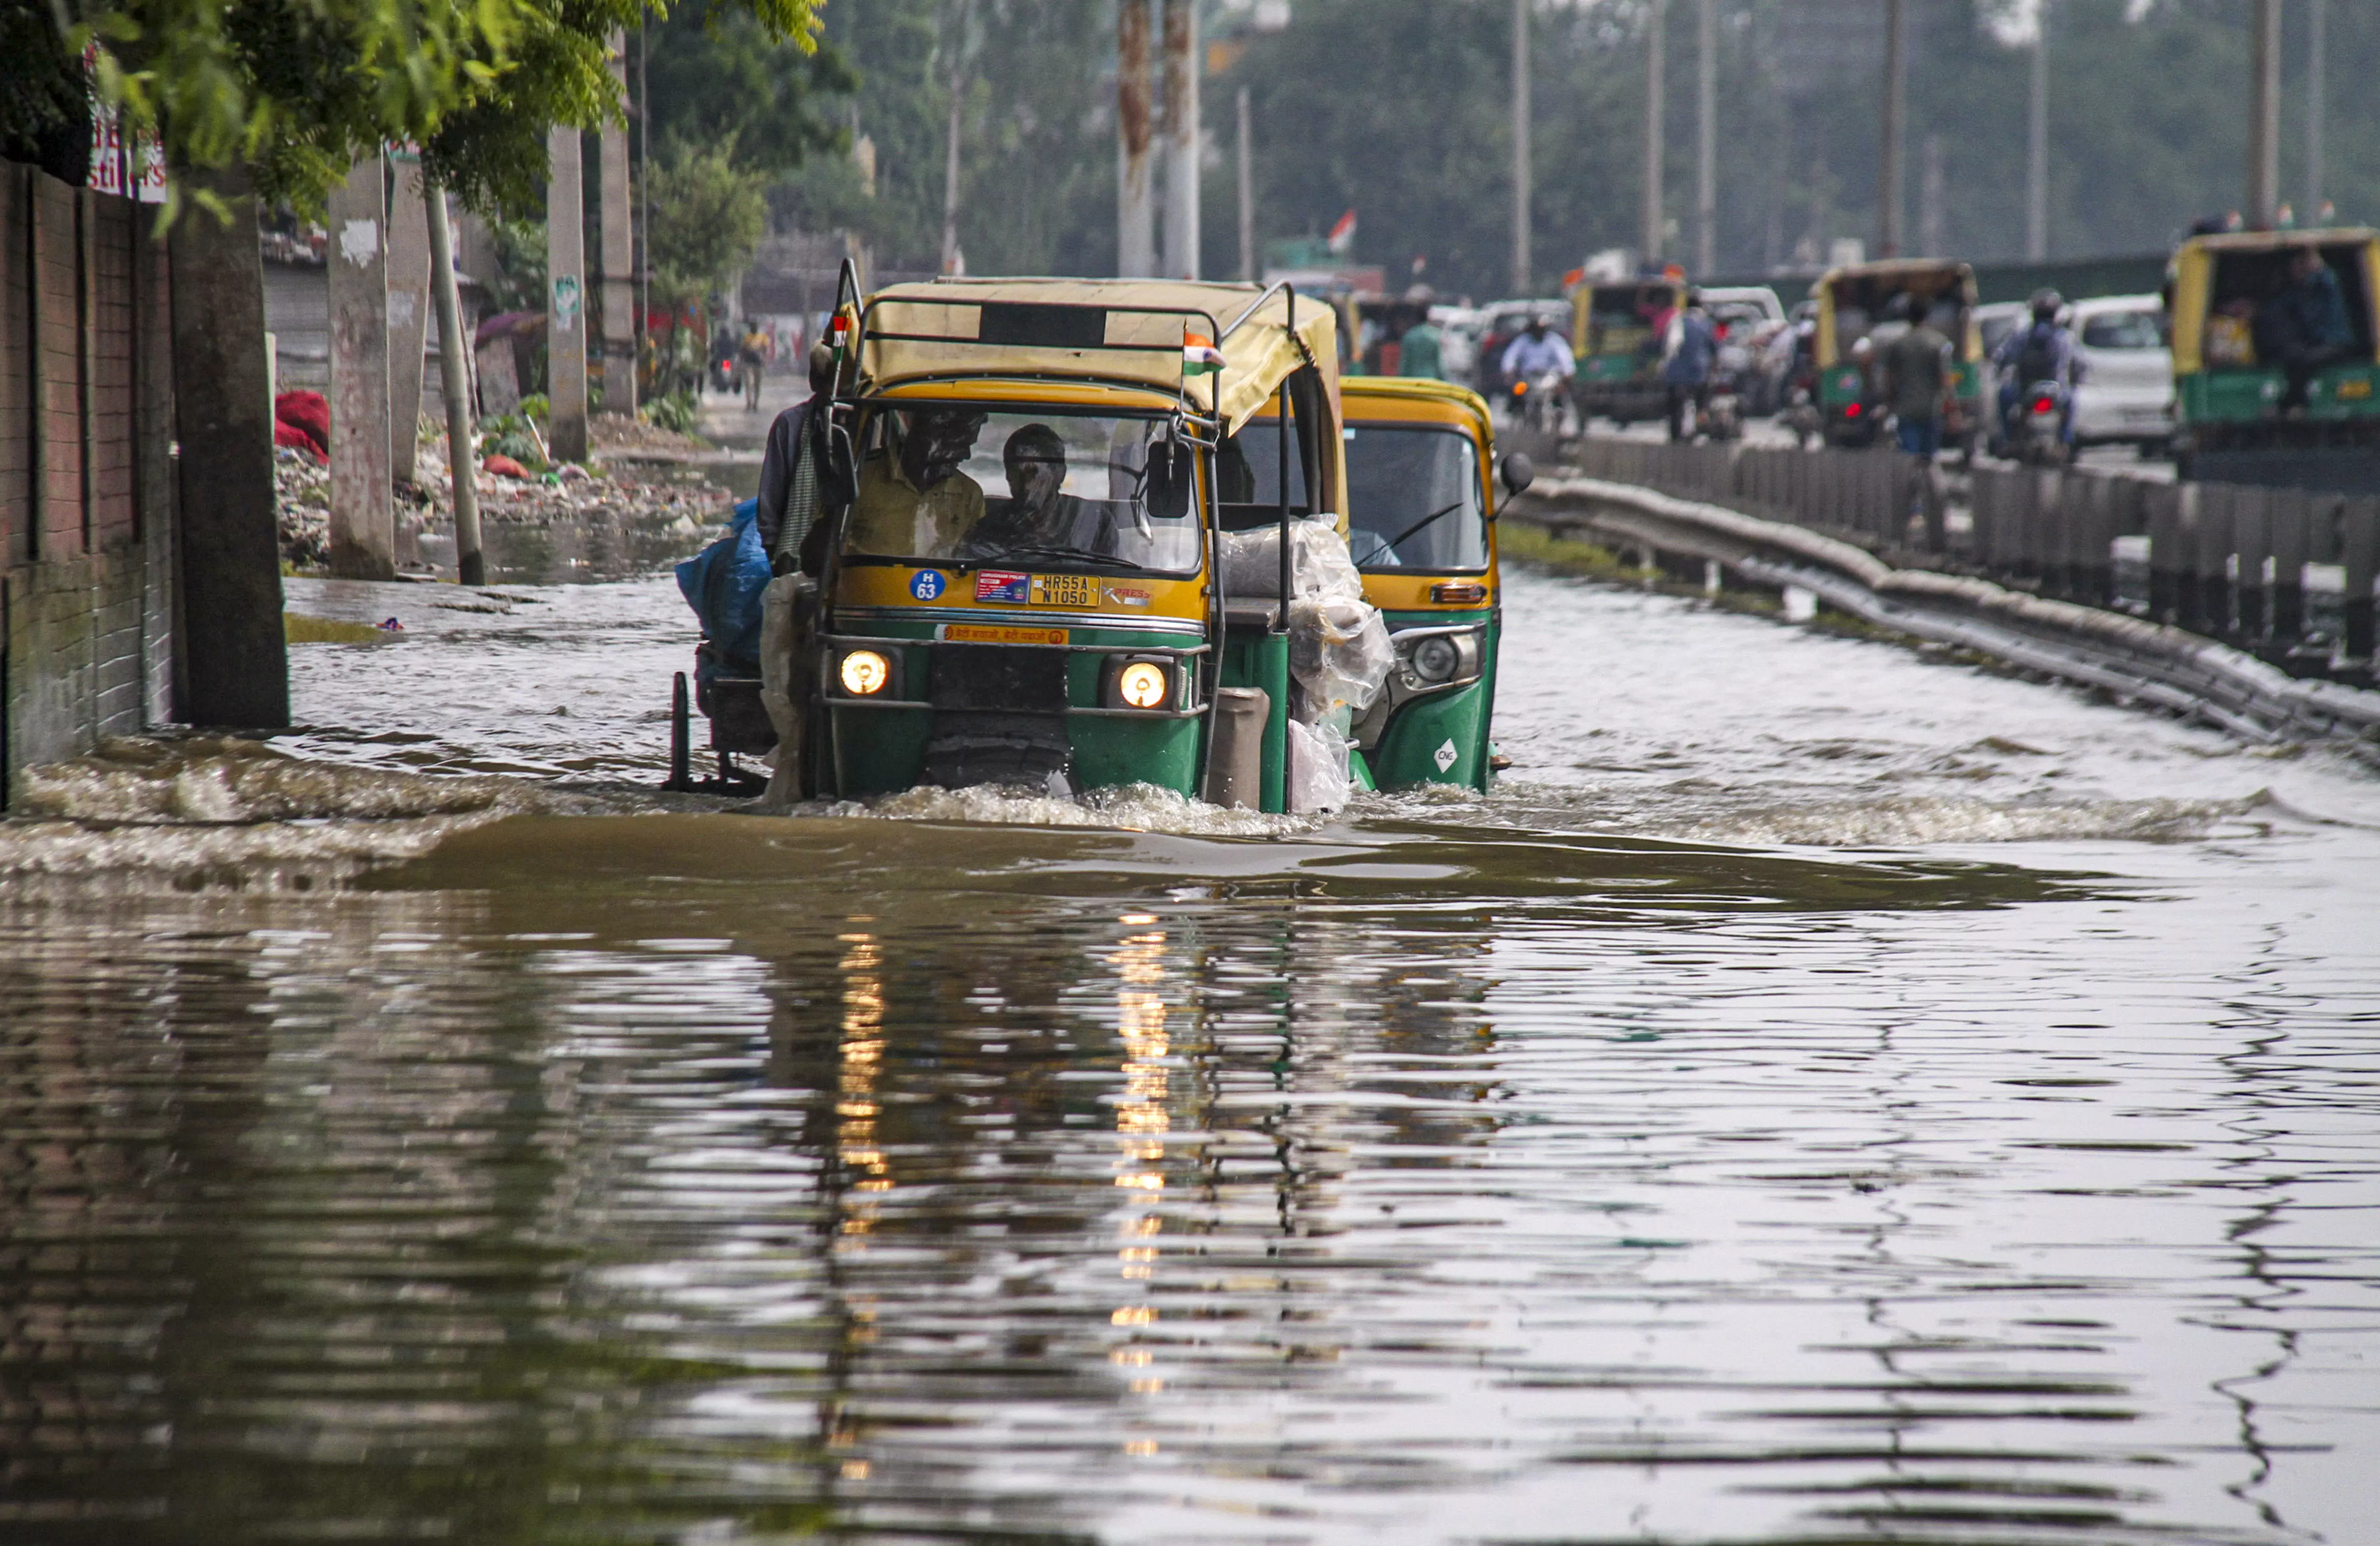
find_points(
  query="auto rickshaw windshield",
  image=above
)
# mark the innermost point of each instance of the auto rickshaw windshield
(964, 483)
(1414, 500)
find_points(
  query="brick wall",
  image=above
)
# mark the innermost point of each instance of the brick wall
(85, 485)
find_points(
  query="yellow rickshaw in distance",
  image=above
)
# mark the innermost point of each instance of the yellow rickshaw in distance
(1076, 632)
(1852, 302)
(2233, 419)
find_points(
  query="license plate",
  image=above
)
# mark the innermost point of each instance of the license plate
(1074, 590)
(974, 633)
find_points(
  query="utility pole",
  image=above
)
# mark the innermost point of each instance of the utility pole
(1655, 24)
(645, 195)
(951, 177)
(1706, 138)
(363, 521)
(619, 252)
(1136, 204)
(2316, 106)
(2264, 114)
(566, 298)
(1182, 139)
(1933, 202)
(1889, 178)
(462, 460)
(2036, 145)
(1522, 267)
(1248, 196)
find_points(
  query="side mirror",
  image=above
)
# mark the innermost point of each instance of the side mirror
(1517, 473)
(1166, 495)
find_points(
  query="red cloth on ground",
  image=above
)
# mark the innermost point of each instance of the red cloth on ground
(286, 434)
(310, 413)
(504, 467)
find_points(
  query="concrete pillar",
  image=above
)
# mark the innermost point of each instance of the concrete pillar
(1248, 195)
(363, 524)
(235, 661)
(408, 311)
(1889, 176)
(1182, 169)
(620, 319)
(1136, 197)
(565, 300)
(2036, 139)
(1706, 137)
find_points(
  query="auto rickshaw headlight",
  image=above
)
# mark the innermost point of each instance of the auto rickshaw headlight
(1139, 683)
(864, 672)
(1435, 659)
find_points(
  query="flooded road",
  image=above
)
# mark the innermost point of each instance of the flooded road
(1826, 1094)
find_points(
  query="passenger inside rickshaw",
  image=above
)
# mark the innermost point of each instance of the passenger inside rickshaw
(2274, 307)
(1090, 490)
(1413, 496)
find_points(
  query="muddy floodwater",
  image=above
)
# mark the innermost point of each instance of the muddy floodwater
(1826, 1094)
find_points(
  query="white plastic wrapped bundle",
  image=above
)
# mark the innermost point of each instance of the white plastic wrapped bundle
(1339, 649)
(1319, 776)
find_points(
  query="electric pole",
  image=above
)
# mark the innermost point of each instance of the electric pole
(2264, 114)
(1707, 138)
(1521, 266)
(1658, 16)
(1895, 106)
(1180, 140)
(1248, 196)
(2315, 107)
(2036, 145)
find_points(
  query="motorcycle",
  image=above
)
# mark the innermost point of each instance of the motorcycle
(2035, 430)
(1540, 401)
(1721, 417)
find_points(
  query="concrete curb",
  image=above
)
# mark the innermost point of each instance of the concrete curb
(2185, 672)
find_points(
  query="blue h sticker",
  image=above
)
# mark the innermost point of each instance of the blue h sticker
(926, 584)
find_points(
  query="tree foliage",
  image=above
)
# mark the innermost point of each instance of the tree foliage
(725, 79)
(707, 216)
(297, 90)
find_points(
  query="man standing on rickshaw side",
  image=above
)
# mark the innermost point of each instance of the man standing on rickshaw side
(1916, 383)
(1691, 348)
(2305, 326)
(791, 516)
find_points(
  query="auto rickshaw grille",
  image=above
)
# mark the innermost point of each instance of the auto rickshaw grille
(1000, 717)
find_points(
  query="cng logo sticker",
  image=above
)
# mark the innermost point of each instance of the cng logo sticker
(926, 584)
(1444, 756)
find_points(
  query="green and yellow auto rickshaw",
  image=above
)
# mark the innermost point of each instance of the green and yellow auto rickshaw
(2236, 351)
(1853, 303)
(1616, 344)
(1421, 501)
(1041, 575)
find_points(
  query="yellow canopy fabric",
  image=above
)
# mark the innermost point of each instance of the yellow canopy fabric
(1042, 327)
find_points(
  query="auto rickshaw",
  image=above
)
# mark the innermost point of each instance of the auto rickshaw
(1852, 302)
(1616, 340)
(2236, 420)
(1422, 503)
(1037, 572)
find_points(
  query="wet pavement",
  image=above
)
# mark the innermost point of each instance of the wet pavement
(1827, 1093)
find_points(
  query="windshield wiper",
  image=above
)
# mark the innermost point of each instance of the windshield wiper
(1399, 540)
(1107, 560)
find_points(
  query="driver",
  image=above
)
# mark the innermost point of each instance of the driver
(913, 501)
(1039, 513)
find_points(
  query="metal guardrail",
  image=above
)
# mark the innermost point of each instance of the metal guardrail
(2224, 561)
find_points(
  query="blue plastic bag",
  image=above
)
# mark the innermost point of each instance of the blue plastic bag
(724, 584)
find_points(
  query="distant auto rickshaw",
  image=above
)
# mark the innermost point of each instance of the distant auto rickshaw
(1055, 564)
(1381, 323)
(2258, 397)
(1616, 340)
(1853, 303)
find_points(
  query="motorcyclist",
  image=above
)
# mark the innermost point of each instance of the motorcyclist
(1533, 355)
(2043, 350)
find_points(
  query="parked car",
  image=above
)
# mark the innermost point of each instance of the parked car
(2125, 394)
(1747, 317)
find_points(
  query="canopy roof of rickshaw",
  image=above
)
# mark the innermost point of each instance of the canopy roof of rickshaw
(1895, 268)
(1125, 331)
(2275, 241)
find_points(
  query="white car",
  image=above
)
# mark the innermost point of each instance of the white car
(2126, 391)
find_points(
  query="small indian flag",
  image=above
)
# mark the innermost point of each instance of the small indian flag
(1200, 356)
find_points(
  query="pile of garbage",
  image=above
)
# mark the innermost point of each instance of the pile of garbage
(1339, 649)
(527, 490)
